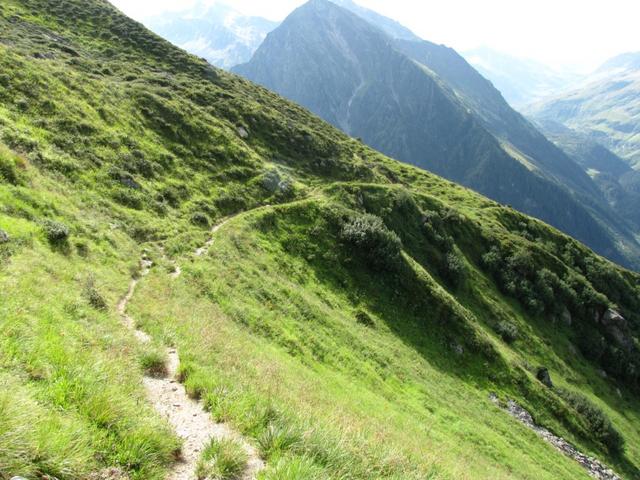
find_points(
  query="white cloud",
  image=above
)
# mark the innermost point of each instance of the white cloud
(576, 33)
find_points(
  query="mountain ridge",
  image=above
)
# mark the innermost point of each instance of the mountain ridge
(392, 96)
(216, 32)
(354, 317)
(604, 107)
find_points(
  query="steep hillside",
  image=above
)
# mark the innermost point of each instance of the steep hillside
(215, 32)
(606, 107)
(423, 104)
(348, 317)
(521, 81)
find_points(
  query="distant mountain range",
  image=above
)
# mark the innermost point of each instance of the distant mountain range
(521, 81)
(614, 176)
(217, 32)
(423, 104)
(605, 107)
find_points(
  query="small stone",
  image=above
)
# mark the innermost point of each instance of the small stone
(4, 236)
(544, 376)
(457, 349)
(242, 133)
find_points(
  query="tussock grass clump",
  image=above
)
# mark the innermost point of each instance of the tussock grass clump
(277, 439)
(154, 363)
(222, 460)
(293, 468)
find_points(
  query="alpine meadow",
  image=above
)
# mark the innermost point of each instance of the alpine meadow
(202, 279)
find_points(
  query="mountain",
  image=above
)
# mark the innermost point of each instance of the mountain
(425, 105)
(390, 27)
(215, 32)
(521, 81)
(615, 178)
(170, 229)
(606, 107)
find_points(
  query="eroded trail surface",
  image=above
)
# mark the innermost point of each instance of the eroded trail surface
(188, 417)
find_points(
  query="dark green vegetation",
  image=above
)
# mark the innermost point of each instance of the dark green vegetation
(423, 104)
(349, 321)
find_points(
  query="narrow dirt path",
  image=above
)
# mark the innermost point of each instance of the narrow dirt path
(188, 417)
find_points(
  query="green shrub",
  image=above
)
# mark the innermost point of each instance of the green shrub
(129, 197)
(371, 238)
(455, 270)
(598, 424)
(201, 219)
(92, 295)
(10, 167)
(508, 331)
(222, 460)
(56, 232)
(363, 318)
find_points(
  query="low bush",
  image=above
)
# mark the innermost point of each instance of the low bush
(201, 219)
(10, 167)
(363, 318)
(455, 270)
(508, 331)
(598, 424)
(369, 236)
(56, 232)
(91, 293)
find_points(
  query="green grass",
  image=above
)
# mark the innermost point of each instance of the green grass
(154, 362)
(222, 460)
(331, 363)
(292, 468)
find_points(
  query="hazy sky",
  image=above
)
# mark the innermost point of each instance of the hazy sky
(571, 33)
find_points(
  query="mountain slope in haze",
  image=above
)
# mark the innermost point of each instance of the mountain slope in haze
(521, 81)
(615, 178)
(348, 315)
(390, 27)
(215, 32)
(424, 105)
(606, 107)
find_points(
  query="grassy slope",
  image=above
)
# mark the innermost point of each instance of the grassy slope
(134, 145)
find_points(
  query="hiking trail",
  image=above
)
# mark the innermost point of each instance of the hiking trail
(188, 417)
